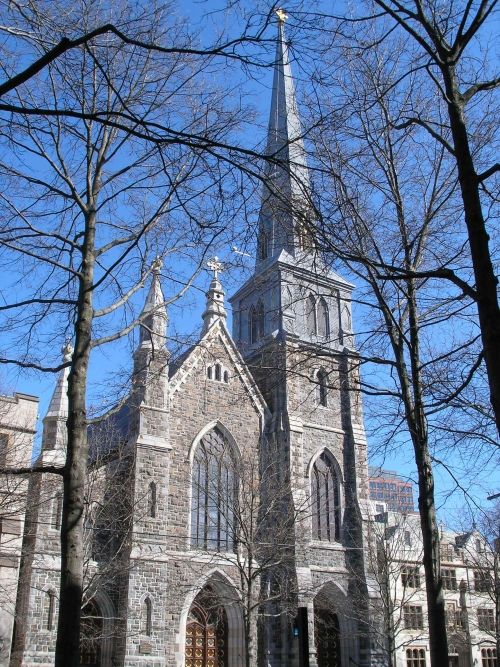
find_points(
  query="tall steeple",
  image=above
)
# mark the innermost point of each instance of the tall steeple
(292, 293)
(285, 195)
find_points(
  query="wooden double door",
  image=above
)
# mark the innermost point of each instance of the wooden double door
(327, 638)
(206, 632)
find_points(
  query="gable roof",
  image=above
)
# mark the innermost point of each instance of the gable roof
(191, 359)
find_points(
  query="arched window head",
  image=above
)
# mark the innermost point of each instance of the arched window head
(323, 319)
(147, 617)
(214, 493)
(218, 372)
(152, 500)
(325, 496)
(322, 380)
(311, 322)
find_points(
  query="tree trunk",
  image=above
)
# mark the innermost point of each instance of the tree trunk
(411, 392)
(72, 556)
(438, 641)
(484, 274)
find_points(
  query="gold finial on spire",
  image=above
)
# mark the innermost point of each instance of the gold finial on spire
(216, 266)
(281, 14)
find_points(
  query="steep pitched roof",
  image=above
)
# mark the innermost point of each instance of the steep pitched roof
(196, 355)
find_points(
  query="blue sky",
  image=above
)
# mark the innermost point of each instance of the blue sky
(185, 314)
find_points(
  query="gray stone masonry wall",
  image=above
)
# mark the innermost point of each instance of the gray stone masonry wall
(163, 565)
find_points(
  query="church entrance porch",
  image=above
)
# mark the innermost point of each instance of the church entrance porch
(206, 632)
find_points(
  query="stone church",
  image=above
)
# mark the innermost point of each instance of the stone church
(227, 500)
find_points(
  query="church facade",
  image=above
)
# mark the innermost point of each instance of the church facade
(228, 497)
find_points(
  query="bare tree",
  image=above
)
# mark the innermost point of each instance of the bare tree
(446, 37)
(395, 556)
(87, 209)
(392, 215)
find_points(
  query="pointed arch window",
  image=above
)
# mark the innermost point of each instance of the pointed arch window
(147, 619)
(152, 504)
(214, 493)
(252, 325)
(263, 244)
(260, 319)
(50, 609)
(323, 319)
(322, 380)
(311, 323)
(57, 507)
(256, 322)
(218, 371)
(325, 496)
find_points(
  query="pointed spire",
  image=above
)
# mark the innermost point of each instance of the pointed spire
(58, 406)
(153, 331)
(215, 297)
(55, 436)
(289, 183)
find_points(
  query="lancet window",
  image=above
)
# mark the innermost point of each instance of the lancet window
(214, 493)
(322, 380)
(256, 322)
(263, 245)
(323, 319)
(325, 495)
(152, 500)
(311, 323)
(147, 620)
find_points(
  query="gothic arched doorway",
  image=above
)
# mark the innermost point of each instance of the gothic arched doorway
(92, 630)
(327, 638)
(206, 632)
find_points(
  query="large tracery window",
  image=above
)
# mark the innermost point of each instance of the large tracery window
(325, 493)
(214, 494)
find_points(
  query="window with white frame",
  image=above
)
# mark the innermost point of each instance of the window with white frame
(415, 657)
(413, 617)
(482, 581)
(486, 619)
(449, 577)
(410, 576)
(489, 657)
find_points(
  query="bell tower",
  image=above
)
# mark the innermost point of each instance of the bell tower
(292, 322)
